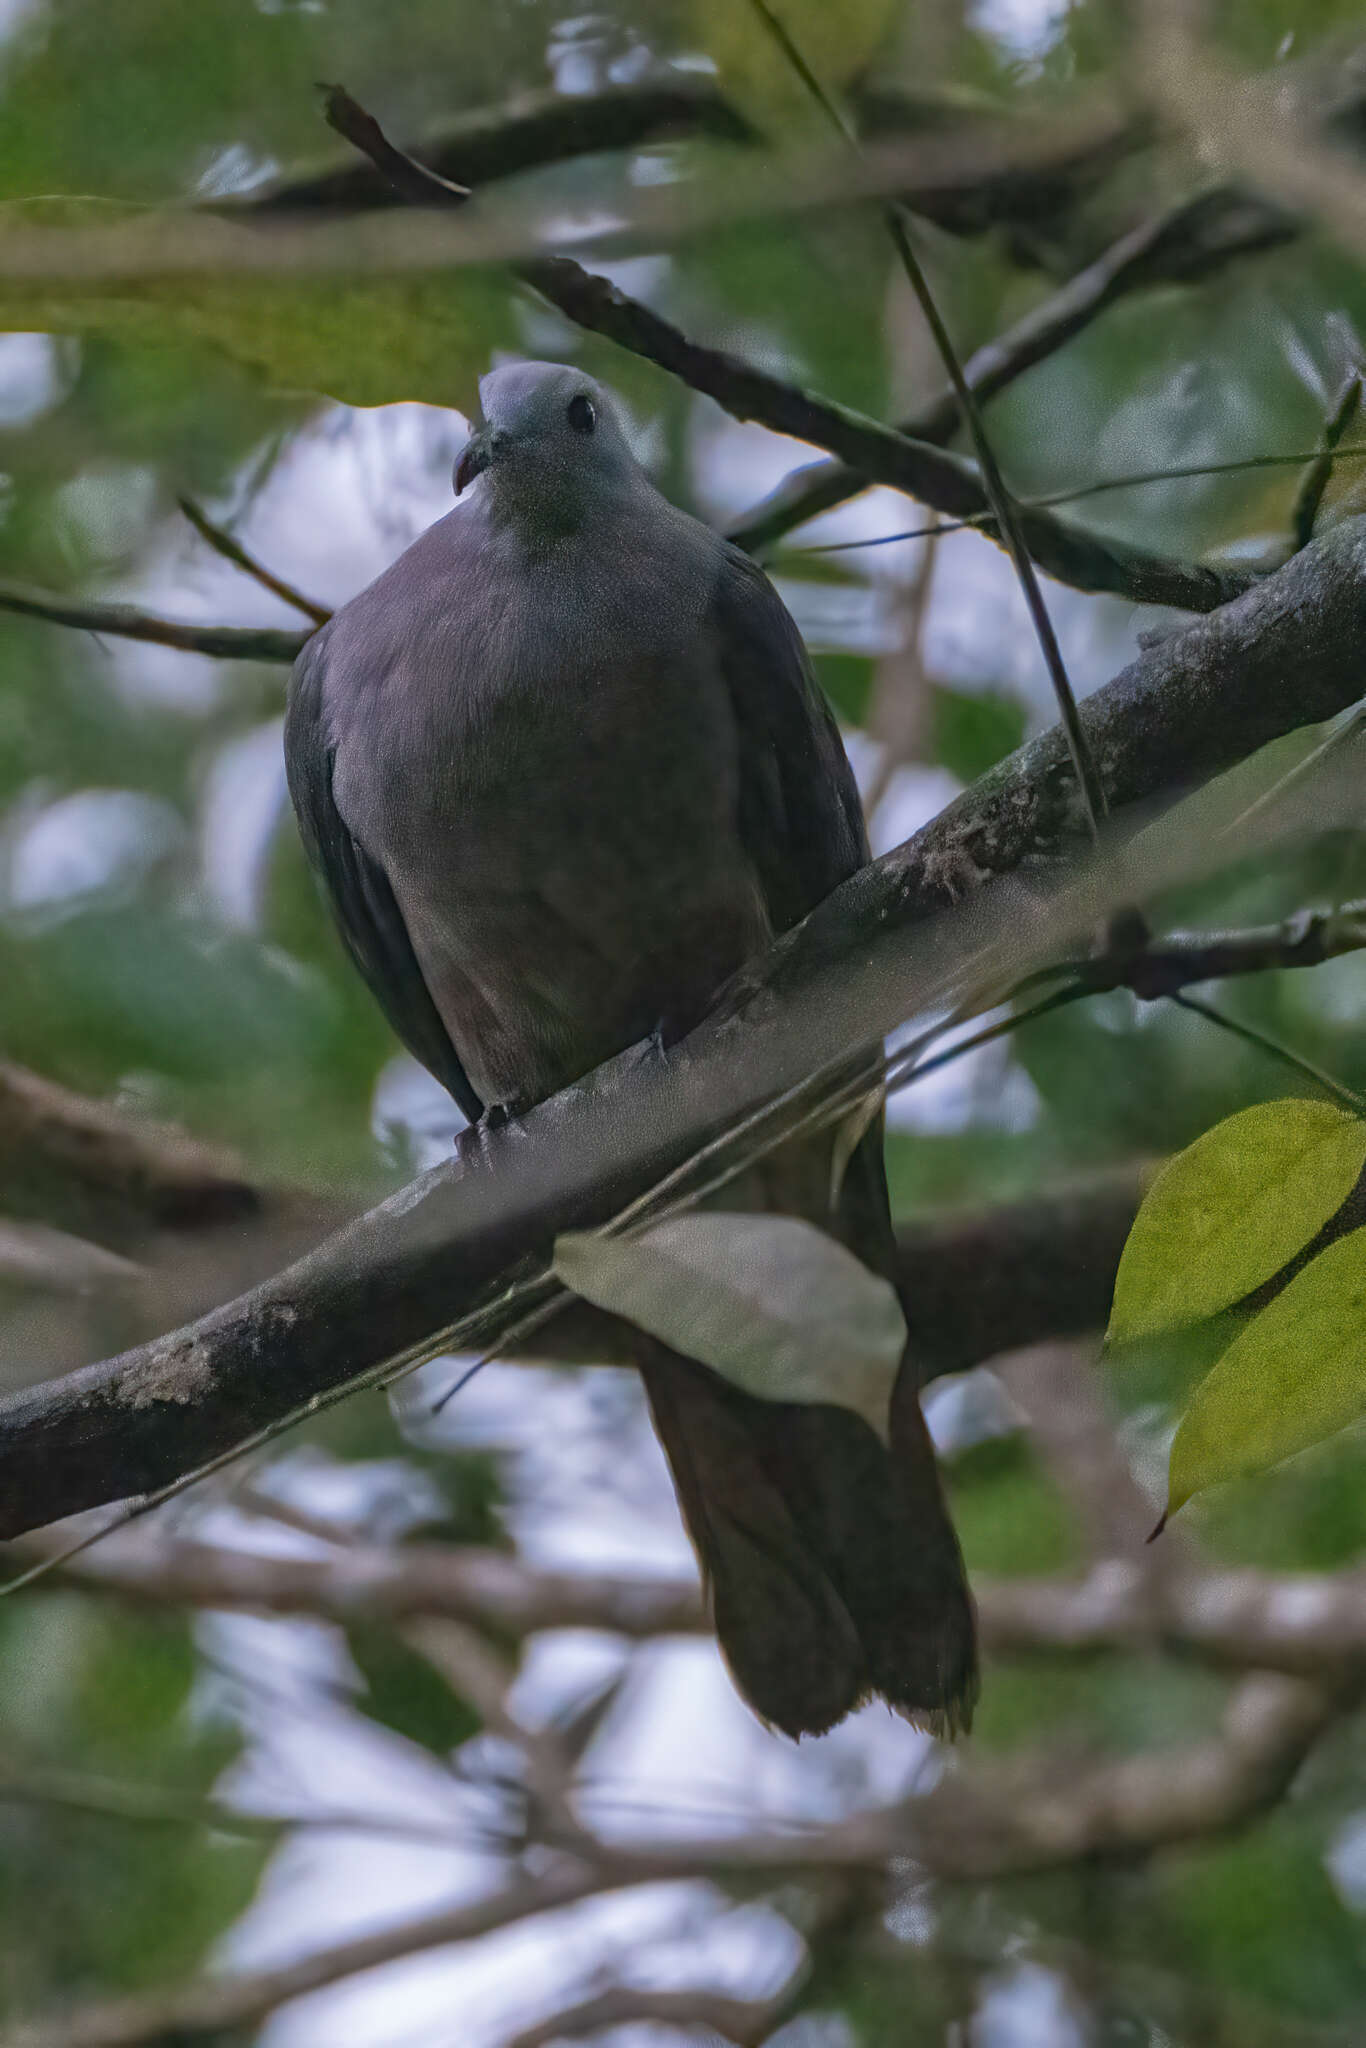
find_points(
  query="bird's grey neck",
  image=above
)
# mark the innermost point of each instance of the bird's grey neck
(546, 508)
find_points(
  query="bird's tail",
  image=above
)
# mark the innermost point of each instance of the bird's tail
(832, 1567)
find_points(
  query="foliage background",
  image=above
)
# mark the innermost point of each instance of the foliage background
(161, 946)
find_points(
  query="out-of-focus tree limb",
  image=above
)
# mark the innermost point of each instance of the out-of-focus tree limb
(129, 622)
(892, 940)
(88, 1166)
(538, 129)
(948, 483)
(1300, 1624)
(1189, 242)
(743, 2022)
(523, 134)
(972, 1827)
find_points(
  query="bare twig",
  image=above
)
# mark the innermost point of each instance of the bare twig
(1316, 477)
(210, 2008)
(947, 482)
(524, 133)
(1005, 513)
(1276, 1049)
(222, 542)
(127, 622)
(1190, 242)
(92, 1167)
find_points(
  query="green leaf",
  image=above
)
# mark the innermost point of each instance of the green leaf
(1231, 1210)
(1295, 1375)
(971, 730)
(771, 1303)
(405, 1692)
(424, 336)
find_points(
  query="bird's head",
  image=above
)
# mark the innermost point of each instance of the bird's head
(548, 445)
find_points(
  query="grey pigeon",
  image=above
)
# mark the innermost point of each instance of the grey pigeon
(562, 769)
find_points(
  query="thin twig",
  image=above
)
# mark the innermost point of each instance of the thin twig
(1002, 505)
(1194, 239)
(1286, 1054)
(948, 482)
(222, 542)
(1315, 480)
(127, 622)
(1073, 494)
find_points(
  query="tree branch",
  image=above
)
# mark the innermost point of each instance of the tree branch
(746, 2022)
(127, 622)
(1300, 1624)
(970, 1828)
(70, 1159)
(1190, 242)
(223, 543)
(898, 937)
(523, 134)
(948, 483)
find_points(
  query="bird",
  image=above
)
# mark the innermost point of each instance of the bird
(562, 769)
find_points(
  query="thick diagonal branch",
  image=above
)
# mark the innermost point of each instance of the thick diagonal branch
(899, 936)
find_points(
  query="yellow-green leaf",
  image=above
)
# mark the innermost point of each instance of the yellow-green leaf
(1294, 1375)
(1231, 1210)
(771, 1303)
(837, 42)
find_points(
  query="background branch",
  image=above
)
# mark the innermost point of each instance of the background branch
(860, 964)
(948, 483)
(1190, 242)
(129, 622)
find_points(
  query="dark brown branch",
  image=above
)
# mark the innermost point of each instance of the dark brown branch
(69, 1159)
(523, 134)
(1190, 242)
(889, 942)
(880, 454)
(222, 543)
(127, 622)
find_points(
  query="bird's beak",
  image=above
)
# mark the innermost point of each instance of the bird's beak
(473, 460)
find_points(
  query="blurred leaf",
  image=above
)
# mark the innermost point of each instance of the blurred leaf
(111, 1694)
(405, 1692)
(972, 730)
(836, 42)
(416, 337)
(1232, 1209)
(1294, 1375)
(1010, 1517)
(847, 680)
(771, 1303)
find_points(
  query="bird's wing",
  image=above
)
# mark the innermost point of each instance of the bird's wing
(363, 903)
(801, 821)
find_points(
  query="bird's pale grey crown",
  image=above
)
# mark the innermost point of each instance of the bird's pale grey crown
(548, 444)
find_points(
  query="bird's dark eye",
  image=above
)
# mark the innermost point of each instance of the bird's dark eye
(582, 417)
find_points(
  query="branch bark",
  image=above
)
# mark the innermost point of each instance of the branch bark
(896, 938)
(879, 454)
(1187, 243)
(129, 622)
(1300, 1624)
(969, 1829)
